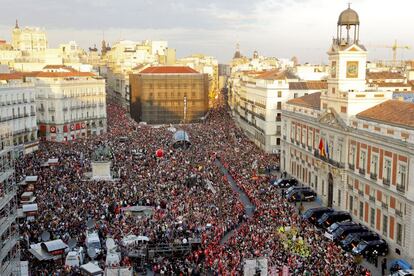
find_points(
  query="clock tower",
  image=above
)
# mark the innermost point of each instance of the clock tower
(346, 93)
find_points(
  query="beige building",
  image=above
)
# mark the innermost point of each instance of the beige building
(169, 94)
(354, 145)
(70, 104)
(29, 39)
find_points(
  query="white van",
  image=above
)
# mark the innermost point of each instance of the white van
(75, 258)
(92, 241)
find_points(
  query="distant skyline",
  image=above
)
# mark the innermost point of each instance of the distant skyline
(280, 28)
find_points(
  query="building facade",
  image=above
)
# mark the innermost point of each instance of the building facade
(70, 104)
(206, 65)
(354, 145)
(9, 233)
(169, 94)
(256, 102)
(18, 110)
(29, 39)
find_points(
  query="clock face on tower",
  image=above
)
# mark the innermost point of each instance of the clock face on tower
(352, 69)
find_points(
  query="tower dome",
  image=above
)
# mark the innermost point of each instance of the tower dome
(348, 27)
(348, 17)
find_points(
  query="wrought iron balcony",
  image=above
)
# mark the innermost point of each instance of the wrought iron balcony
(351, 166)
(398, 213)
(384, 205)
(361, 193)
(401, 188)
(386, 182)
(373, 176)
(372, 198)
(362, 171)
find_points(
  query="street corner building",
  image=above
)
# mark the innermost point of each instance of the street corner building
(70, 104)
(354, 145)
(169, 94)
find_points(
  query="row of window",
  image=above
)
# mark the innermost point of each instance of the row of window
(364, 212)
(383, 223)
(375, 166)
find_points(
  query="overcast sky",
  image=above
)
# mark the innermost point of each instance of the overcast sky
(281, 28)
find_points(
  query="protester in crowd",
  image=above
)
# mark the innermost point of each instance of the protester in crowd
(190, 197)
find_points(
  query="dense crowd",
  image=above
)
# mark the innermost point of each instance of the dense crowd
(190, 197)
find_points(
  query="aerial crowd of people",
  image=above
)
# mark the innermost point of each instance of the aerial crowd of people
(190, 196)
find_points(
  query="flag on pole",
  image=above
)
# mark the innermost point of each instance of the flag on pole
(327, 150)
(321, 148)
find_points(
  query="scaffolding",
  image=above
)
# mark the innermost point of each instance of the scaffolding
(9, 232)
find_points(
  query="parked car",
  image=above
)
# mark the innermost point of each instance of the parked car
(296, 188)
(330, 218)
(313, 214)
(285, 182)
(353, 239)
(335, 226)
(371, 248)
(301, 195)
(342, 232)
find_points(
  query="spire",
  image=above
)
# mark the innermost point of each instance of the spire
(237, 54)
(17, 24)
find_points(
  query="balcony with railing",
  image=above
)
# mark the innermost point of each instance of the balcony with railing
(373, 176)
(386, 181)
(361, 193)
(401, 188)
(362, 171)
(351, 166)
(384, 205)
(372, 198)
(398, 213)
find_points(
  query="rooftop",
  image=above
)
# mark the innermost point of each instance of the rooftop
(169, 70)
(312, 101)
(308, 85)
(392, 112)
(11, 76)
(384, 75)
(276, 75)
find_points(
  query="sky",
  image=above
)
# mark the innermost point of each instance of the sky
(278, 28)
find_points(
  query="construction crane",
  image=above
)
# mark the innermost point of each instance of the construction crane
(394, 49)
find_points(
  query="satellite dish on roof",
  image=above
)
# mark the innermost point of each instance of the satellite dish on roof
(72, 243)
(92, 253)
(90, 224)
(45, 236)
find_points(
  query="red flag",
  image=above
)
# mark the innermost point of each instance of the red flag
(321, 148)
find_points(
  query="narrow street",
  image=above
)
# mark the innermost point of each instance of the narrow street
(248, 206)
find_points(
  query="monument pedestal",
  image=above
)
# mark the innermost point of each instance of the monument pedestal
(101, 170)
